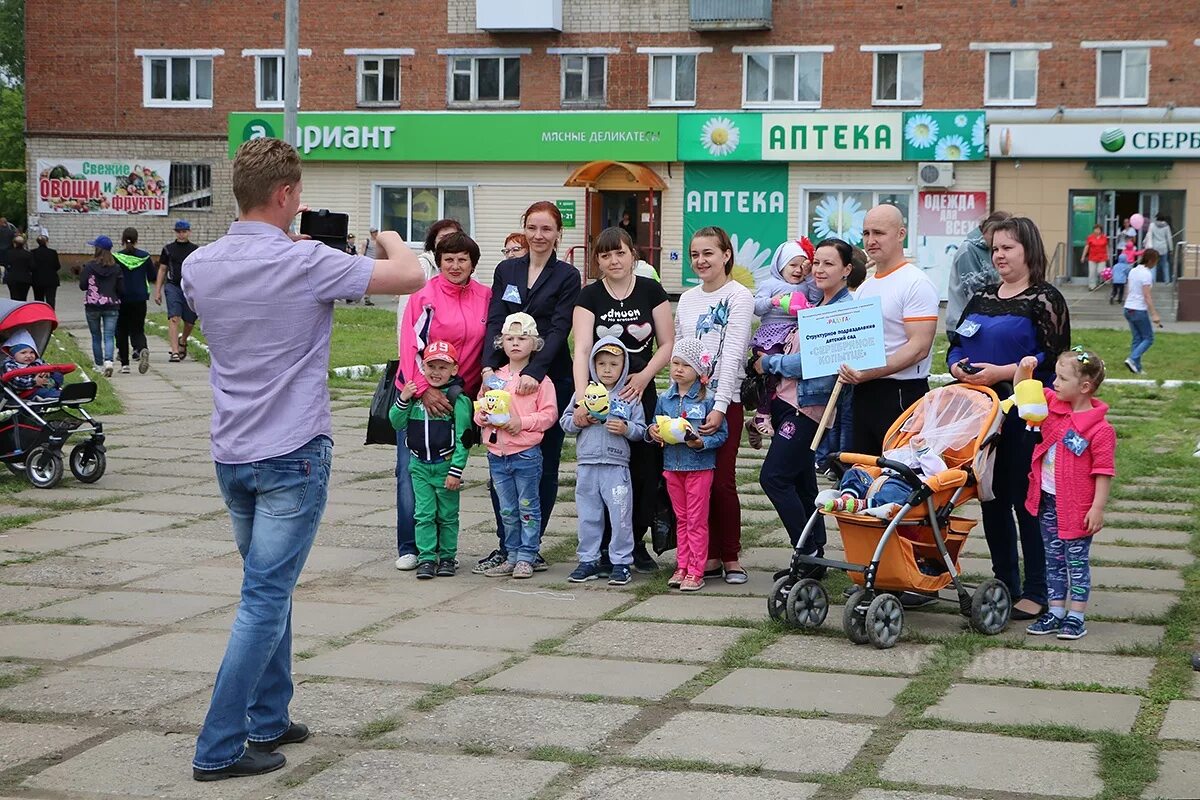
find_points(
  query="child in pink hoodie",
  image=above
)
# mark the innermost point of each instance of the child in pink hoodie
(1069, 481)
(514, 455)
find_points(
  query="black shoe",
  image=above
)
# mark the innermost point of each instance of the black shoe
(296, 733)
(539, 564)
(447, 567)
(492, 559)
(426, 570)
(642, 560)
(253, 762)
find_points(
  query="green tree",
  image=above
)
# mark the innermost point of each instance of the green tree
(12, 154)
(12, 41)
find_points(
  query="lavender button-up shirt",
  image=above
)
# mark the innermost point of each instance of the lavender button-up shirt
(266, 309)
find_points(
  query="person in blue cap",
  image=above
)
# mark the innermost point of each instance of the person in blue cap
(102, 284)
(170, 274)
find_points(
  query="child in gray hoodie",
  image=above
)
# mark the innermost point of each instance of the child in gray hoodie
(602, 452)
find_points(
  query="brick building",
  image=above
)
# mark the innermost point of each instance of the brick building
(771, 118)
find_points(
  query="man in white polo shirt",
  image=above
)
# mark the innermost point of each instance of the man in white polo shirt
(910, 316)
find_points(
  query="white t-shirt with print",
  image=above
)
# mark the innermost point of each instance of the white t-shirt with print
(907, 295)
(1139, 277)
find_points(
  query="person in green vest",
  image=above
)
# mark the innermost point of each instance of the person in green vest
(139, 272)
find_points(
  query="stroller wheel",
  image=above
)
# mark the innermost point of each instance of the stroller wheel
(44, 467)
(807, 604)
(885, 620)
(16, 469)
(777, 599)
(87, 462)
(991, 607)
(854, 620)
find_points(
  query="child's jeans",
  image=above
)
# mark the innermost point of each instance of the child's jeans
(515, 479)
(436, 510)
(1118, 293)
(599, 487)
(857, 482)
(1068, 568)
(690, 493)
(102, 322)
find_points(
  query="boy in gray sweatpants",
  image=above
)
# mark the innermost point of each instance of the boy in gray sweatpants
(604, 425)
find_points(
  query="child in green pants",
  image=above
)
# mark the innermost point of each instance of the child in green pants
(438, 459)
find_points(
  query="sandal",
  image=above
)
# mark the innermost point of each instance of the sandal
(173, 358)
(763, 423)
(182, 348)
(736, 576)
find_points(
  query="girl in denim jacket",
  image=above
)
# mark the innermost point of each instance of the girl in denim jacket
(689, 465)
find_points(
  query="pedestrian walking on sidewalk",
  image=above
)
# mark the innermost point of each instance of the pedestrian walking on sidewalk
(102, 282)
(135, 294)
(180, 316)
(271, 432)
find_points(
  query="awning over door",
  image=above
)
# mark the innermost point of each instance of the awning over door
(588, 174)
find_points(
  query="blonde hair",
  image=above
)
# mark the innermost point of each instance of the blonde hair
(260, 167)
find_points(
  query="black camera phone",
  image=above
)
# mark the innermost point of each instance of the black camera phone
(969, 368)
(326, 227)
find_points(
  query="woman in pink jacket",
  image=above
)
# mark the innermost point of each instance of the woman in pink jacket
(451, 307)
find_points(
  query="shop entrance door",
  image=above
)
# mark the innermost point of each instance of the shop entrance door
(1112, 208)
(637, 213)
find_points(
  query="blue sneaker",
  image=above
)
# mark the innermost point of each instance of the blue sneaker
(620, 575)
(1072, 628)
(586, 571)
(1047, 623)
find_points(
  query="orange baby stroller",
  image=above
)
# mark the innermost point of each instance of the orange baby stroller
(916, 549)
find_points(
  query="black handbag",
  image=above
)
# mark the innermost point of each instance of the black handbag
(663, 527)
(379, 427)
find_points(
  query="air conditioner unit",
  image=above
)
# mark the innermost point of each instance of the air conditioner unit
(939, 174)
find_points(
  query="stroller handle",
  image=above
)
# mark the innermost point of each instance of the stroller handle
(903, 470)
(62, 369)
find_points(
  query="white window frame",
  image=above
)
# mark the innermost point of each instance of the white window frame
(475, 54)
(417, 245)
(148, 56)
(674, 52)
(988, 48)
(260, 56)
(586, 53)
(1124, 46)
(380, 55)
(772, 52)
(875, 190)
(897, 50)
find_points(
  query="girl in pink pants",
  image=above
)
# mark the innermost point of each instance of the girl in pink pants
(689, 458)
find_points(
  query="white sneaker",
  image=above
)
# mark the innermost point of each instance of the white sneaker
(406, 563)
(124, 369)
(108, 369)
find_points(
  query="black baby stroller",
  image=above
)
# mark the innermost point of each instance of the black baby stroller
(34, 430)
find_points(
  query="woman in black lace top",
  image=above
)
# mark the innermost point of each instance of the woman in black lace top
(1021, 316)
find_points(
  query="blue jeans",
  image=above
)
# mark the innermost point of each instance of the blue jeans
(515, 479)
(406, 501)
(1143, 334)
(789, 475)
(275, 506)
(1164, 267)
(1010, 482)
(102, 322)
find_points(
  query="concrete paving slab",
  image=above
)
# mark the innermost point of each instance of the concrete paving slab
(20, 598)
(190, 505)
(215, 528)
(1137, 578)
(161, 550)
(805, 691)
(36, 540)
(492, 631)
(839, 653)
(372, 775)
(663, 641)
(517, 723)
(139, 608)
(1009, 705)
(1131, 605)
(60, 642)
(683, 608)
(968, 761)
(769, 742)
(103, 521)
(1178, 776)
(524, 598)
(27, 498)
(101, 692)
(76, 572)
(581, 676)
(180, 652)
(1147, 536)
(1182, 721)
(886, 794)
(625, 783)
(27, 741)
(1057, 666)
(399, 663)
(318, 620)
(143, 764)
(1103, 637)
(1120, 554)
(222, 581)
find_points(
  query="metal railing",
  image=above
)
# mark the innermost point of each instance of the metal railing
(1187, 260)
(1057, 272)
(708, 15)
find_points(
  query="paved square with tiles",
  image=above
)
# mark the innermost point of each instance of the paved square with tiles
(115, 602)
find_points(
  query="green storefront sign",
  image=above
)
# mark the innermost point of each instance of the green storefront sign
(750, 201)
(567, 209)
(470, 136)
(945, 136)
(720, 137)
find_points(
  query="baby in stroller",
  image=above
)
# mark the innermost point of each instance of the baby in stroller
(20, 354)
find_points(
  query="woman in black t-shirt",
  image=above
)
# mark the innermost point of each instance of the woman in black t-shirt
(636, 311)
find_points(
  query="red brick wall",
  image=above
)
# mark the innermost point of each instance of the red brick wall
(82, 75)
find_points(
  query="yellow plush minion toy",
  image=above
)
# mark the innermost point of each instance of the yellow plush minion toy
(673, 430)
(1029, 397)
(595, 400)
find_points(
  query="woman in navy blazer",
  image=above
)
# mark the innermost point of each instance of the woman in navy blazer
(545, 288)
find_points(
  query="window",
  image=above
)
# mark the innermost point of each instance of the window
(784, 79)
(840, 213)
(1012, 77)
(583, 79)
(268, 78)
(673, 79)
(1123, 76)
(379, 81)
(190, 186)
(182, 78)
(485, 79)
(899, 78)
(410, 210)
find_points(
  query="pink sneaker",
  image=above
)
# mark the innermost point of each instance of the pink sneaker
(676, 579)
(692, 583)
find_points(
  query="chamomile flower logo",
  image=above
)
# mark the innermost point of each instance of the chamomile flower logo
(979, 133)
(960, 121)
(952, 148)
(720, 136)
(841, 218)
(921, 130)
(749, 258)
